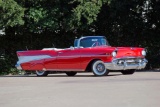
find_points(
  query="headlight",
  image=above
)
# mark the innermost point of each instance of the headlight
(114, 53)
(144, 53)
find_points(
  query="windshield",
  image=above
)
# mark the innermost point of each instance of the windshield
(93, 41)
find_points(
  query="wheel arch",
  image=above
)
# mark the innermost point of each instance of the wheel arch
(88, 68)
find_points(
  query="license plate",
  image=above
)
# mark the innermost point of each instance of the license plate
(130, 60)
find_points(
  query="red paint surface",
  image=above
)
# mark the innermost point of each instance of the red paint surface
(75, 59)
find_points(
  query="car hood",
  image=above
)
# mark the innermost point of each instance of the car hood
(124, 51)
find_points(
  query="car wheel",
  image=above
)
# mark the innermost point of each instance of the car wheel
(71, 73)
(42, 73)
(99, 69)
(128, 72)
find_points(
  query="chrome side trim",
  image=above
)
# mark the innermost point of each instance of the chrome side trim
(129, 57)
(64, 70)
(77, 56)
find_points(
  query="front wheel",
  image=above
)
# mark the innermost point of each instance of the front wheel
(99, 69)
(42, 73)
(128, 72)
(71, 73)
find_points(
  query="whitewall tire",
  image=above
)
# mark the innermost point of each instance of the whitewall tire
(99, 69)
(42, 73)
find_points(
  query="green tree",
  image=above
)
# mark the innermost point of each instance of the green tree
(11, 13)
(36, 24)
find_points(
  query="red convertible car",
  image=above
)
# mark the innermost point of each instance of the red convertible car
(90, 53)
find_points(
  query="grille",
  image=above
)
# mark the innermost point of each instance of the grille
(129, 61)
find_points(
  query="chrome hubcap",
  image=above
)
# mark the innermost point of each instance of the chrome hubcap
(100, 67)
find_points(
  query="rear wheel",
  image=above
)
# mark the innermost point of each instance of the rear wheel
(128, 72)
(99, 69)
(42, 73)
(71, 73)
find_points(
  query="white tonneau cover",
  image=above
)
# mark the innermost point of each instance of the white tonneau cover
(56, 49)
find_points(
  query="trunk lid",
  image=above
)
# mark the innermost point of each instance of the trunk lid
(129, 52)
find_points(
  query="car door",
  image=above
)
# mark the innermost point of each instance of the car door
(69, 59)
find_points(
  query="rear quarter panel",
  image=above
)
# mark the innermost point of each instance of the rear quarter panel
(36, 59)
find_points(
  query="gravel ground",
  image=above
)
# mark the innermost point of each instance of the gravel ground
(141, 89)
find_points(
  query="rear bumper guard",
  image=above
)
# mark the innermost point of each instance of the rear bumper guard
(18, 66)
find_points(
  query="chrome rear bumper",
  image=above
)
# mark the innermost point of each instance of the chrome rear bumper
(126, 63)
(18, 66)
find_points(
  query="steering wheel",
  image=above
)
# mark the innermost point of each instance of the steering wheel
(96, 44)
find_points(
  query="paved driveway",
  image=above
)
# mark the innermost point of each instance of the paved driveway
(141, 89)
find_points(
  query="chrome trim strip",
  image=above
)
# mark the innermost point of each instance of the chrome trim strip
(83, 56)
(129, 57)
(64, 70)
